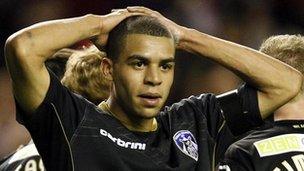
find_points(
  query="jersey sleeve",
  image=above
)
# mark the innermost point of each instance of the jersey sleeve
(60, 108)
(235, 159)
(54, 122)
(240, 109)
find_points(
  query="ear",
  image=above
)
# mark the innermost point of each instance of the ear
(107, 68)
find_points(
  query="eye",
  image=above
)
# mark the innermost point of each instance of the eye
(166, 67)
(138, 64)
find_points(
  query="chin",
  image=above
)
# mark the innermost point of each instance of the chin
(149, 113)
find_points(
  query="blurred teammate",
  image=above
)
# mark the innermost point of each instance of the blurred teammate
(83, 75)
(281, 145)
(128, 131)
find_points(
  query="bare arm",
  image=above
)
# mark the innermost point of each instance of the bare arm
(28, 49)
(275, 81)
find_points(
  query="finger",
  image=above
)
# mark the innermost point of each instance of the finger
(135, 14)
(137, 8)
(144, 10)
(124, 13)
(114, 10)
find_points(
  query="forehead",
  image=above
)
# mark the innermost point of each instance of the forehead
(147, 45)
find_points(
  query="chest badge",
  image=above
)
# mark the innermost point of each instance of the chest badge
(186, 142)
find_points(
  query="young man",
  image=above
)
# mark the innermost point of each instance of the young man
(281, 145)
(128, 131)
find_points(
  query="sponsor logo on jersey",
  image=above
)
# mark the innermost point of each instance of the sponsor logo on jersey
(186, 142)
(122, 143)
(280, 144)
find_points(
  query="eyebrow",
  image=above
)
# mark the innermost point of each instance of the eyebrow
(142, 58)
(169, 60)
(138, 57)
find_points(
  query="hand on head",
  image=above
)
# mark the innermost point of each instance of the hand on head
(175, 29)
(109, 21)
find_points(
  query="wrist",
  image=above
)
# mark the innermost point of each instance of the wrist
(193, 41)
(183, 37)
(95, 21)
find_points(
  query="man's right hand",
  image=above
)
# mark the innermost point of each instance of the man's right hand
(109, 21)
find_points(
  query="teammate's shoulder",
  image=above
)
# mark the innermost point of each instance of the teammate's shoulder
(248, 141)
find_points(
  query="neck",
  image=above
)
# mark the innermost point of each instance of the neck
(129, 120)
(293, 110)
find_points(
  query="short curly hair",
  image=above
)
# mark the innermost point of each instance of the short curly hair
(286, 48)
(146, 25)
(84, 75)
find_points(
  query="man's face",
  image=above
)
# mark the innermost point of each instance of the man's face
(143, 74)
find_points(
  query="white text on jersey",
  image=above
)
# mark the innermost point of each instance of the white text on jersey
(122, 143)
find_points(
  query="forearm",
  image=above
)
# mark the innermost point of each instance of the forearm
(251, 65)
(28, 49)
(44, 39)
(271, 77)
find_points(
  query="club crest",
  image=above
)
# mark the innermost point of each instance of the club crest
(186, 142)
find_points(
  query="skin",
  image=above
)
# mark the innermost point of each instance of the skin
(292, 110)
(142, 78)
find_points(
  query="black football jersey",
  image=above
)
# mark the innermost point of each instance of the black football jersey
(71, 133)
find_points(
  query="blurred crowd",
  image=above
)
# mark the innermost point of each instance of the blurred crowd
(247, 22)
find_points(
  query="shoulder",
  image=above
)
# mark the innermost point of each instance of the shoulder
(195, 101)
(246, 144)
(192, 109)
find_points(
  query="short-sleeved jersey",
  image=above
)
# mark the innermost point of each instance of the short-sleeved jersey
(25, 158)
(277, 148)
(71, 133)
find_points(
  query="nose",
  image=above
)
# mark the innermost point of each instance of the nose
(152, 76)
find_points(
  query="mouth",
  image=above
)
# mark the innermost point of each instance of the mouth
(150, 99)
